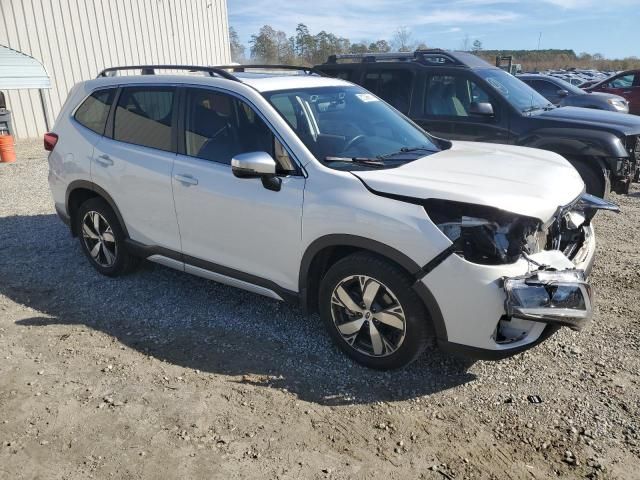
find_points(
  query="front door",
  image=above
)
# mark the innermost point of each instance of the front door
(235, 226)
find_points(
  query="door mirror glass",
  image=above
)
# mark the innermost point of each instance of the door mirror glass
(562, 93)
(484, 109)
(253, 165)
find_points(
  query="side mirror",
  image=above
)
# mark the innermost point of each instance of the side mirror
(563, 93)
(257, 165)
(483, 109)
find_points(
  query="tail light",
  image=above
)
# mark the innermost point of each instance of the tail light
(50, 140)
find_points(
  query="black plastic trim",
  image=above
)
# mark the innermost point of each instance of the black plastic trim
(346, 240)
(435, 261)
(476, 353)
(145, 251)
(84, 184)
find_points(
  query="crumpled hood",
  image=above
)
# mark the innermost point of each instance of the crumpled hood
(596, 119)
(521, 180)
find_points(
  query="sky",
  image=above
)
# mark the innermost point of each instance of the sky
(609, 27)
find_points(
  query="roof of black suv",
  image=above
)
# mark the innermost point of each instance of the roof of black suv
(432, 57)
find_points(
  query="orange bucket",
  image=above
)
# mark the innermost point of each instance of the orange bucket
(7, 152)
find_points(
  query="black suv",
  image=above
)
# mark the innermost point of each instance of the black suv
(459, 96)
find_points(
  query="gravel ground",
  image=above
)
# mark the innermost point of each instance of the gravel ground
(164, 375)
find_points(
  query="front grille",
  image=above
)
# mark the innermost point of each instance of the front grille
(633, 147)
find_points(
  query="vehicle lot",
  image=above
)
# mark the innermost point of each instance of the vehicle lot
(165, 375)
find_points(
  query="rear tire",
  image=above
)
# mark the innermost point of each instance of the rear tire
(102, 238)
(372, 313)
(594, 180)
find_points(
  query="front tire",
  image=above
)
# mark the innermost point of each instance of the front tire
(102, 238)
(372, 313)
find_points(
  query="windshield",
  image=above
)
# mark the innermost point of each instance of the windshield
(350, 128)
(514, 91)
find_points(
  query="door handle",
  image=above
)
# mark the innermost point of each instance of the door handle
(186, 179)
(104, 160)
(627, 91)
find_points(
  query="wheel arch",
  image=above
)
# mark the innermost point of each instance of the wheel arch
(326, 250)
(80, 191)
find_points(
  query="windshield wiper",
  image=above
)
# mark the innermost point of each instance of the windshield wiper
(407, 150)
(533, 109)
(373, 162)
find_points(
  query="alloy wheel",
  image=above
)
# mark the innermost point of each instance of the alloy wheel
(99, 239)
(368, 316)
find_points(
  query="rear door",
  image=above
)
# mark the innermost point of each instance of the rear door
(393, 84)
(134, 160)
(229, 225)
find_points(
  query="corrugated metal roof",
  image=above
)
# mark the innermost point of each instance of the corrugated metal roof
(18, 70)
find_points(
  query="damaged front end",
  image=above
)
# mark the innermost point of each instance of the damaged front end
(558, 253)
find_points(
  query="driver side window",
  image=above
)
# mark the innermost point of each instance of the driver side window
(220, 126)
(452, 96)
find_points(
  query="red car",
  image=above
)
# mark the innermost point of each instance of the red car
(626, 84)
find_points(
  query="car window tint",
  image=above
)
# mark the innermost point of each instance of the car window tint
(452, 96)
(625, 81)
(220, 126)
(547, 89)
(143, 117)
(93, 112)
(393, 86)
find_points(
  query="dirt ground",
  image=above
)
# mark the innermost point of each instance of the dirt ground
(164, 375)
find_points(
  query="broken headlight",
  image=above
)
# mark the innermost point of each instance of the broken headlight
(486, 235)
(548, 296)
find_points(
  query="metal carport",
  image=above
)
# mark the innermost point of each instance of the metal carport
(20, 71)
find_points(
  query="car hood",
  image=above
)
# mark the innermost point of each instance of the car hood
(598, 119)
(521, 180)
(605, 95)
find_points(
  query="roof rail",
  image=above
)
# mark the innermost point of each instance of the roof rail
(243, 68)
(429, 56)
(150, 70)
(371, 57)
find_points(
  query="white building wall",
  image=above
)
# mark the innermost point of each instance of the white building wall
(76, 39)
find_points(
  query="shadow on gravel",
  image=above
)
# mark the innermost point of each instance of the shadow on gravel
(199, 324)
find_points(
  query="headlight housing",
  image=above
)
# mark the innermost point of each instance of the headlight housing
(486, 235)
(557, 297)
(619, 104)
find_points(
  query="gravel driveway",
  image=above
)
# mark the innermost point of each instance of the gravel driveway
(164, 375)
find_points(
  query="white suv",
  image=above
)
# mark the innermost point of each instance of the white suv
(312, 190)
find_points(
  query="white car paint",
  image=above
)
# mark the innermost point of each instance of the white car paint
(239, 225)
(521, 180)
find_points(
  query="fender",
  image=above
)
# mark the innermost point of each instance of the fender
(85, 184)
(415, 270)
(575, 141)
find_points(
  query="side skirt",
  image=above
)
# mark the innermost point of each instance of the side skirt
(212, 271)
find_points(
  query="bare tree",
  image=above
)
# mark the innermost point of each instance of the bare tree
(402, 39)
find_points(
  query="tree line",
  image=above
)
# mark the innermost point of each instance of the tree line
(304, 48)
(273, 46)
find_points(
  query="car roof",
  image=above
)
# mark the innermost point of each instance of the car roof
(262, 82)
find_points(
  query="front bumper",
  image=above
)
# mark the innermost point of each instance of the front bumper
(474, 308)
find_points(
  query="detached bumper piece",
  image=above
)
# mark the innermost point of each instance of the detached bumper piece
(560, 298)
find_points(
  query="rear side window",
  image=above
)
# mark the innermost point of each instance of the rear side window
(393, 86)
(143, 117)
(93, 112)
